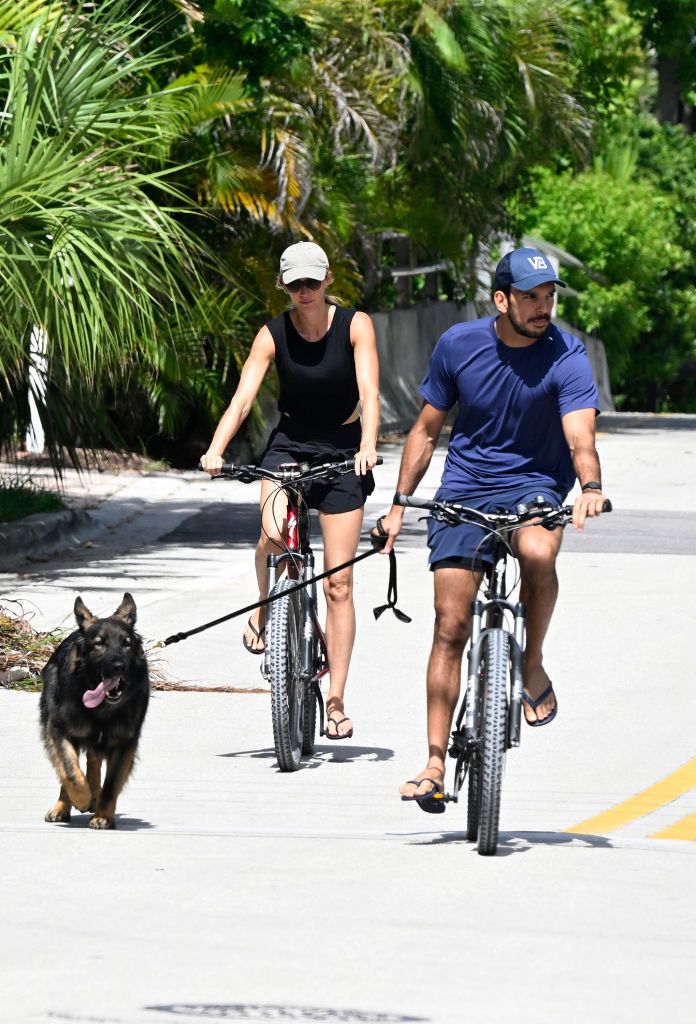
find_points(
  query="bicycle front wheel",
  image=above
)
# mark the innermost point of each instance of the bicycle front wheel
(473, 805)
(284, 637)
(309, 727)
(494, 727)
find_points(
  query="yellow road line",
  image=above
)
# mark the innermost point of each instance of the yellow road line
(684, 829)
(645, 802)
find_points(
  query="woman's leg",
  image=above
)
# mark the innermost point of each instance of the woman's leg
(341, 535)
(274, 507)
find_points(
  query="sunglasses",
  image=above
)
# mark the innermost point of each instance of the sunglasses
(310, 283)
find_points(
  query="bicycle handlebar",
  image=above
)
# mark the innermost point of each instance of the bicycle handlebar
(291, 473)
(550, 516)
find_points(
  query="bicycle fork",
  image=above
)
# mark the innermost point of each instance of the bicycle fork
(494, 610)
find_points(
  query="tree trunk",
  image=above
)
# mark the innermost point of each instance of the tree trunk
(668, 91)
(672, 108)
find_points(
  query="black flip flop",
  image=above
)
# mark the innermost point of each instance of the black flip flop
(433, 802)
(337, 735)
(534, 704)
(258, 633)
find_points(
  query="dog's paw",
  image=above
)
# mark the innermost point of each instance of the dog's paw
(57, 815)
(98, 822)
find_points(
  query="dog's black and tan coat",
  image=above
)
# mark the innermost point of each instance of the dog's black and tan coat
(94, 699)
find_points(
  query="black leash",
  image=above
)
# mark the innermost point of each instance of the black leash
(377, 542)
(392, 593)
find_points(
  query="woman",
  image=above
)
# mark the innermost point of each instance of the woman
(326, 359)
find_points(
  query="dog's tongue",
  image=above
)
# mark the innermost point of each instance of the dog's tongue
(93, 698)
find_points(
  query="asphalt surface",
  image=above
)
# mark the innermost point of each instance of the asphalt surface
(231, 891)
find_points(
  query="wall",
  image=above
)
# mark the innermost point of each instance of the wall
(405, 339)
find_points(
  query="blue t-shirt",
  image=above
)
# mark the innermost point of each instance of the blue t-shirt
(508, 431)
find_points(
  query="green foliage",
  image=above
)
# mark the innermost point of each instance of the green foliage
(253, 36)
(92, 227)
(625, 228)
(608, 60)
(156, 157)
(18, 500)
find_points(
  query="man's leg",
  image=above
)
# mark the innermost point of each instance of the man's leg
(537, 550)
(454, 591)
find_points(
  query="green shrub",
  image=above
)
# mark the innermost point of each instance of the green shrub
(20, 500)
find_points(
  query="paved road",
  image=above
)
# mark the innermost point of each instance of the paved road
(231, 891)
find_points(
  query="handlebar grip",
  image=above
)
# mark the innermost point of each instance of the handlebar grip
(409, 501)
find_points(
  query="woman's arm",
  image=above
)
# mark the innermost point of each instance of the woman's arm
(362, 336)
(254, 370)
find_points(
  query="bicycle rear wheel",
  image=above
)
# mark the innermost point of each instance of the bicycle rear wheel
(284, 637)
(494, 726)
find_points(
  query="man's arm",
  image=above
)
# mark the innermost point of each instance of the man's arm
(418, 451)
(579, 431)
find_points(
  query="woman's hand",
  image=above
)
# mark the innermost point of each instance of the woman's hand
(211, 463)
(365, 459)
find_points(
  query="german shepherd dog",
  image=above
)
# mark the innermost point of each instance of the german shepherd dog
(95, 695)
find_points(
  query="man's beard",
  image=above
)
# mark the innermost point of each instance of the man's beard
(525, 331)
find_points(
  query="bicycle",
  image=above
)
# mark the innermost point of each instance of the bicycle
(489, 717)
(296, 655)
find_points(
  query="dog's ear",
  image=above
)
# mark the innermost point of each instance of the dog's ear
(126, 610)
(83, 614)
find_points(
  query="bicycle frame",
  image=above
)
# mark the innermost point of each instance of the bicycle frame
(299, 561)
(486, 615)
(310, 660)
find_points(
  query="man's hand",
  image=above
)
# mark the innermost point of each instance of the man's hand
(589, 503)
(391, 525)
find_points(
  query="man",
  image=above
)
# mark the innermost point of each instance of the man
(525, 427)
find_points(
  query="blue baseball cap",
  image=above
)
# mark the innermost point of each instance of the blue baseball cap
(525, 269)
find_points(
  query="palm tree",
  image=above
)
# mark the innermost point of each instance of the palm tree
(94, 239)
(413, 116)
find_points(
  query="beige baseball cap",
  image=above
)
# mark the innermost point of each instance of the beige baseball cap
(303, 259)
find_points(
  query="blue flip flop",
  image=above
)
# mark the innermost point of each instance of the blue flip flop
(432, 802)
(534, 704)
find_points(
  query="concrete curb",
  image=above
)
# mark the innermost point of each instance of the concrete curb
(610, 421)
(44, 532)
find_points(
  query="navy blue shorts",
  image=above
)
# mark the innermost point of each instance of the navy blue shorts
(470, 547)
(298, 442)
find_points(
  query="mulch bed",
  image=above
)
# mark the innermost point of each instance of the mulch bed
(24, 651)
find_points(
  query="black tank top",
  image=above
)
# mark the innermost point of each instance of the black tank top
(318, 385)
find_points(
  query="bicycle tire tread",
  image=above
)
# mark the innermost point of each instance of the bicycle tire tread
(285, 617)
(493, 734)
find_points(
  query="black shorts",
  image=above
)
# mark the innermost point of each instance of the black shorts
(298, 442)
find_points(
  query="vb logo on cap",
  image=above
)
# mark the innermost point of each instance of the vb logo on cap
(525, 269)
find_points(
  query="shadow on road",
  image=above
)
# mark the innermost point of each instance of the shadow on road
(323, 755)
(256, 1011)
(510, 843)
